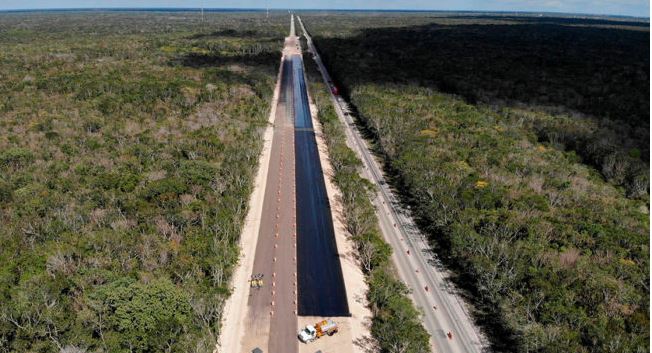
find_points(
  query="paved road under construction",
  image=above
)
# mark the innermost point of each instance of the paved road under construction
(296, 253)
(321, 286)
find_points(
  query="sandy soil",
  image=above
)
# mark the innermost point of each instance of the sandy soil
(340, 342)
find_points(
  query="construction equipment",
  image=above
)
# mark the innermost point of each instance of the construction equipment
(256, 281)
(312, 332)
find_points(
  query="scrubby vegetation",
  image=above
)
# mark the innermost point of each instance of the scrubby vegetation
(128, 146)
(396, 325)
(572, 67)
(543, 213)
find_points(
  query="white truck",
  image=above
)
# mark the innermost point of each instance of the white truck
(312, 332)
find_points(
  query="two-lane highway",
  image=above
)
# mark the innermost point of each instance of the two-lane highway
(443, 310)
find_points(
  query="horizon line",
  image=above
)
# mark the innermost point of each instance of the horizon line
(254, 9)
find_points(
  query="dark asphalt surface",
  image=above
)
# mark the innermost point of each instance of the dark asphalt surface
(321, 290)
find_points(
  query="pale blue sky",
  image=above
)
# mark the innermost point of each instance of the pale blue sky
(639, 8)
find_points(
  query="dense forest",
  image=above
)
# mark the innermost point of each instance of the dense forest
(593, 71)
(128, 147)
(521, 146)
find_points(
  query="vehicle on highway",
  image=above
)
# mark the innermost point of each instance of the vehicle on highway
(312, 332)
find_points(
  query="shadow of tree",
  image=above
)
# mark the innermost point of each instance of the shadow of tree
(367, 344)
(266, 59)
(569, 21)
(563, 64)
(225, 33)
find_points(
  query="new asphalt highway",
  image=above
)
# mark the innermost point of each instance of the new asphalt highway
(321, 286)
